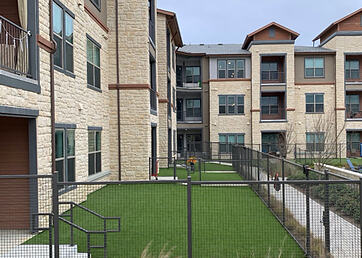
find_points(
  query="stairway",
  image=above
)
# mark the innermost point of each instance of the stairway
(42, 251)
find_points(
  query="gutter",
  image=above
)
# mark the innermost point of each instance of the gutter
(118, 97)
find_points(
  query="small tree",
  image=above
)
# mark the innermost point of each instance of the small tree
(325, 138)
(287, 140)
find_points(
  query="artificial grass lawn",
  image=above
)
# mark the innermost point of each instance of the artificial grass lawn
(226, 222)
(181, 173)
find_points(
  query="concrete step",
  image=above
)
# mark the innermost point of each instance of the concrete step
(42, 251)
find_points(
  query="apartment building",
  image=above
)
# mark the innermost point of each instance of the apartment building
(109, 89)
(270, 93)
(168, 39)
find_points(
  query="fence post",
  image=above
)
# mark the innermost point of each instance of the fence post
(268, 174)
(149, 168)
(306, 172)
(174, 168)
(251, 164)
(295, 152)
(200, 169)
(283, 190)
(326, 221)
(360, 209)
(55, 211)
(189, 218)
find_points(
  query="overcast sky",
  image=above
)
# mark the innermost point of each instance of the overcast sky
(229, 21)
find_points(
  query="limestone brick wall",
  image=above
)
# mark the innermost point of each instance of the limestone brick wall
(134, 47)
(257, 51)
(343, 45)
(229, 123)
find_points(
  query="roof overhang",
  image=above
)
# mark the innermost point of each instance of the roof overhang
(174, 27)
(336, 23)
(249, 37)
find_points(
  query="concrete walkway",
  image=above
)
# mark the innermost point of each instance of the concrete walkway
(10, 239)
(345, 237)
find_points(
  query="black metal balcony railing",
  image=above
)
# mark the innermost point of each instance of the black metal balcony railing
(274, 114)
(153, 99)
(14, 50)
(354, 115)
(272, 77)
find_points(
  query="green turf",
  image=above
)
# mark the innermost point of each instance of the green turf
(226, 222)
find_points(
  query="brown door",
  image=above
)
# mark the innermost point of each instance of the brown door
(14, 160)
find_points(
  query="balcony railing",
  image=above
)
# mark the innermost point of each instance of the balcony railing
(190, 85)
(153, 99)
(275, 115)
(14, 50)
(272, 77)
(354, 115)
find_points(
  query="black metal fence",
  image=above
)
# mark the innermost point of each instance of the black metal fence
(321, 210)
(275, 208)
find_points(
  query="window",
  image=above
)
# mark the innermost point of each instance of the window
(227, 140)
(65, 154)
(93, 64)
(234, 68)
(96, 3)
(94, 152)
(352, 105)
(314, 67)
(314, 103)
(153, 94)
(353, 143)
(231, 104)
(169, 98)
(269, 71)
(352, 69)
(179, 76)
(173, 57)
(272, 142)
(315, 141)
(63, 36)
(193, 74)
(193, 108)
(269, 105)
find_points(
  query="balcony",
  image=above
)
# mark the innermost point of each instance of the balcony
(353, 71)
(354, 143)
(272, 70)
(273, 106)
(14, 50)
(353, 105)
(189, 111)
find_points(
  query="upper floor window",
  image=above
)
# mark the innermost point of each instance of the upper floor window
(231, 104)
(97, 3)
(269, 105)
(93, 64)
(63, 36)
(315, 141)
(65, 154)
(269, 70)
(94, 152)
(314, 103)
(314, 67)
(193, 108)
(352, 105)
(193, 74)
(234, 68)
(352, 69)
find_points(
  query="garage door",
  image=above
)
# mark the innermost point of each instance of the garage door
(14, 160)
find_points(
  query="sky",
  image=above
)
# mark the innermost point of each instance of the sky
(229, 21)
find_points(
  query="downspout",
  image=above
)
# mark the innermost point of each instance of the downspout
(52, 95)
(118, 97)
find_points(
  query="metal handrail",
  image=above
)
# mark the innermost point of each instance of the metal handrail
(14, 24)
(88, 232)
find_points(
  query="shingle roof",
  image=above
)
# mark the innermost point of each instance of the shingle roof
(308, 49)
(214, 49)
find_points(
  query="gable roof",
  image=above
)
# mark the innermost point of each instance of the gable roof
(173, 23)
(248, 38)
(336, 23)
